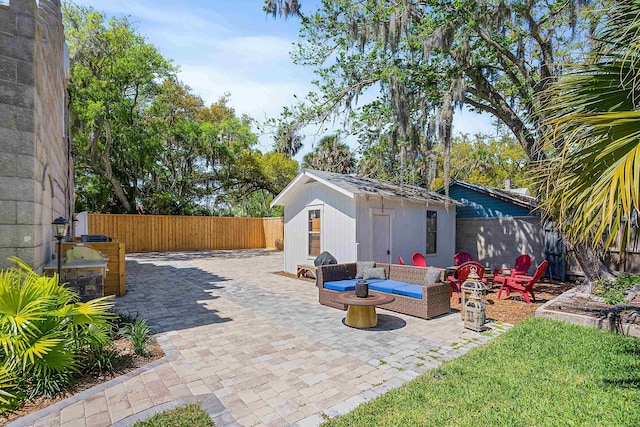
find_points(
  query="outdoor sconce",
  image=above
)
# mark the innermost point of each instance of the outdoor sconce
(473, 306)
(60, 228)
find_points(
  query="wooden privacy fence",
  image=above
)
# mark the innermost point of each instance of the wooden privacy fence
(165, 233)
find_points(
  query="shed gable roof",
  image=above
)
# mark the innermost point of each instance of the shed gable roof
(352, 185)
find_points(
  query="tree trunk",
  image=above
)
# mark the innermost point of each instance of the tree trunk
(105, 159)
(591, 264)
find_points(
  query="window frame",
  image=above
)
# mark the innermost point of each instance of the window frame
(308, 210)
(431, 232)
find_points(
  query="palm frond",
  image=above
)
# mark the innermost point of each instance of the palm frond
(592, 179)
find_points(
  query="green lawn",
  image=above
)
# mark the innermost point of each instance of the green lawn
(541, 373)
(183, 416)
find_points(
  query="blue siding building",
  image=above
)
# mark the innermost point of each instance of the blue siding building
(483, 202)
(496, 225)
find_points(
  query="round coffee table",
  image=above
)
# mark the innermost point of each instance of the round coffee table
(361, 312)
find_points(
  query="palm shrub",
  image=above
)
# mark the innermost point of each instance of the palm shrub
(8, 385)
(44, 330)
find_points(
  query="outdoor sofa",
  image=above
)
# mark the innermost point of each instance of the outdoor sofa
(404, 282)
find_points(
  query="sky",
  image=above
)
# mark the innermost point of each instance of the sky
(231, 46)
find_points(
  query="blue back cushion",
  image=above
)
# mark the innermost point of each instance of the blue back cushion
(385, 285)
(342, 285)
(413, 291)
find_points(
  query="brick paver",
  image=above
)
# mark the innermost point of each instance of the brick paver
(255, 347)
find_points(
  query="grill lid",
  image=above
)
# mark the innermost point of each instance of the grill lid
(83, 253)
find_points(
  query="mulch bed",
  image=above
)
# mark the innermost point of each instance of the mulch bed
(514, 309)
(126, 361)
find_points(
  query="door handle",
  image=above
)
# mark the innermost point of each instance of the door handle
(388, 252)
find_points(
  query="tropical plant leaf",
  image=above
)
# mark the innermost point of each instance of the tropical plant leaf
(43, 329)
(591, 182)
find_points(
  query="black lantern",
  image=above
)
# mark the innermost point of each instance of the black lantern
(362, 289)
(60, 228)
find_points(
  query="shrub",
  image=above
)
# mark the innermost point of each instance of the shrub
(191, 415)
(139, 333)
(101, 360)
(44, 329)
(613, 290)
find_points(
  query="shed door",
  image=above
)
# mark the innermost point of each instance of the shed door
(381, 238)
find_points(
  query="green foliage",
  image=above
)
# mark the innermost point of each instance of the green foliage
(101, 360)
(190, 415)
(331, 155)
(44, 329)
(484, 161)
(143, 141)
(614, 298)
(8, 389)
(542, 373)
(613, 290)
(252, 182)
(139, 333)
(419, 60)
(47, 385)
(592, 179)
(114, 75)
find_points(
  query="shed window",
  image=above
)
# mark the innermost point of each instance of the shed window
(432, 232)
(314, 232)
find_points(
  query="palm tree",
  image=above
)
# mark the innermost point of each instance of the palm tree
(287, 140)
(331, 155)
(592, 180)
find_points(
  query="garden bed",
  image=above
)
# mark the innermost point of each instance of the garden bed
(125, 361)
(585, 309)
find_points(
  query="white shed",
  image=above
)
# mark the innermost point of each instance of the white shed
(363, 219)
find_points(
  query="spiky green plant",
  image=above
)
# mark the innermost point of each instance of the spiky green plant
(44, 329)
(139, 333)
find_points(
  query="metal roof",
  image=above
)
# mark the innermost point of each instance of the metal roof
(352, 185)
(506, 195)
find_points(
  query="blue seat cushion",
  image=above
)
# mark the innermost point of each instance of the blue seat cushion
(347, 285)
(342, 285)
(413, 291)
(385, 285)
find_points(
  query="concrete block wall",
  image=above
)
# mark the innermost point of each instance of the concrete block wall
(36, 183)
(498, 241)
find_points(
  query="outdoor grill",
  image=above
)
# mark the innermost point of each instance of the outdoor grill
(83, 269)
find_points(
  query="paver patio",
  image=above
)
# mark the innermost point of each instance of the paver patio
(255, 348)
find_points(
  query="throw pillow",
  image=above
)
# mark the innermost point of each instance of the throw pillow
(432, 275)
(361, 266)
(374, 273)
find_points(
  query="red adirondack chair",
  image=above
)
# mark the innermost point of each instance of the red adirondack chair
(520, 268)
(419, 260)
(400, 260)
(524, 284)
(463, 272)
(461, 257)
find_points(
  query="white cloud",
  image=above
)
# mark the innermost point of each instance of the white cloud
(259, 48)
(171, 14)
(248, 95)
